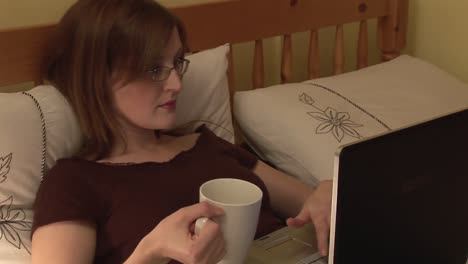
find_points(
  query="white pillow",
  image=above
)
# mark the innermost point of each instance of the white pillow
(291, 125)
(25, 153)
(204, 98)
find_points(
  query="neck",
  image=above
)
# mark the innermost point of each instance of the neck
(137, 140)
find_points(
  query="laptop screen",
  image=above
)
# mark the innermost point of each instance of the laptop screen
(402, 197)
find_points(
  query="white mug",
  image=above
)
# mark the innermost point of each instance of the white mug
(241, 202)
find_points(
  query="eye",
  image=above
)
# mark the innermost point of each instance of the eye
(180, 65)
(157, 73)
(178, 62)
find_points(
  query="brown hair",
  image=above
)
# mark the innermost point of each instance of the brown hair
(98, 38)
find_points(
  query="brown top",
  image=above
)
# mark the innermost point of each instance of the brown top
(127, 201)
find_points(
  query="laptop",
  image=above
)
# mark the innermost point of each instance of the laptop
(402, 197)
(399, 197)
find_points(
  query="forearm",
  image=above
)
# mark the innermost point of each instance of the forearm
(287, 194)
(144, 253)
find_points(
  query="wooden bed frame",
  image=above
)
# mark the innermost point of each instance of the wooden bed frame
(234, 21)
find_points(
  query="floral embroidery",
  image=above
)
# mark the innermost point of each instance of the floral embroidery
(13, 221)
(5, 166)
(338, 123)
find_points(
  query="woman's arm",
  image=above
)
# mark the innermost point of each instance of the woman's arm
(287, 194)
(301, 203)
(143, 253)
(71, 242)
(74, 242)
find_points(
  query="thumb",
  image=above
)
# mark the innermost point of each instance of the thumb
(301, 219)
(203, 209)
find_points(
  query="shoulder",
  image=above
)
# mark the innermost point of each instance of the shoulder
(70, 164)
(225, 148)
(208, 136)
(203, 137)
(70, 170)
(184, 142)
(68, 184)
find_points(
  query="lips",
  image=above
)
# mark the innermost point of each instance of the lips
(169, 105)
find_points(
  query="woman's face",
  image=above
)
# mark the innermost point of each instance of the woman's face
(148, 102)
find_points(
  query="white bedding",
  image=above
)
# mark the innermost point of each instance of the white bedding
(299, 126)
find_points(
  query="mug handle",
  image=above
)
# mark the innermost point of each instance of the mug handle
(199, 224)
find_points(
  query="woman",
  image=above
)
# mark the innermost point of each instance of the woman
(131, 194)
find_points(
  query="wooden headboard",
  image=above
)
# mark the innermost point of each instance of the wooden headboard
(234, 21)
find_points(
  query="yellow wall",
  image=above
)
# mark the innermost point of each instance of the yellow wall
(18, 13)
(439, 34)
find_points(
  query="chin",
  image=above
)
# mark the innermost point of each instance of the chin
(165, 124)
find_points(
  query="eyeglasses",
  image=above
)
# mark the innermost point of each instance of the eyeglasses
(162, 73)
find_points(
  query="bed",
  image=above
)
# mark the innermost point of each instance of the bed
(39, 127)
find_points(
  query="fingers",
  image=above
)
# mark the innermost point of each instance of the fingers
(176, 231)
(220, 250)
(304, 215)
(322, 229)
(192, 228)
(209, 245)
(216, 246)
(209, 232)
(294, 222)
(301, 219)
(203, 209)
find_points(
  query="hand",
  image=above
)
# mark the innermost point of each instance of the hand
(317, 209)
(173, 237)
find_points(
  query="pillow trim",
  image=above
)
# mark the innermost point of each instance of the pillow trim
(352, 103)
(44, 135)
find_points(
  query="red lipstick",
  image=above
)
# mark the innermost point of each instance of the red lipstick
(170, 105)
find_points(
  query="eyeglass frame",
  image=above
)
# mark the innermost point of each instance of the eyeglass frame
(167, 70)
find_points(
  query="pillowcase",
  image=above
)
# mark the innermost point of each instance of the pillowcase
(298, 127)
(204, 98)
(38, 127)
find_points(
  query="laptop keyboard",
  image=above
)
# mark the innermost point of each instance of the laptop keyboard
(315, 258)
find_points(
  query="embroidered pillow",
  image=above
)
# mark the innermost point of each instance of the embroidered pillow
(298, 127)
(38, 127)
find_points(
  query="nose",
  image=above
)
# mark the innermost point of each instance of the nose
(173, 82)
